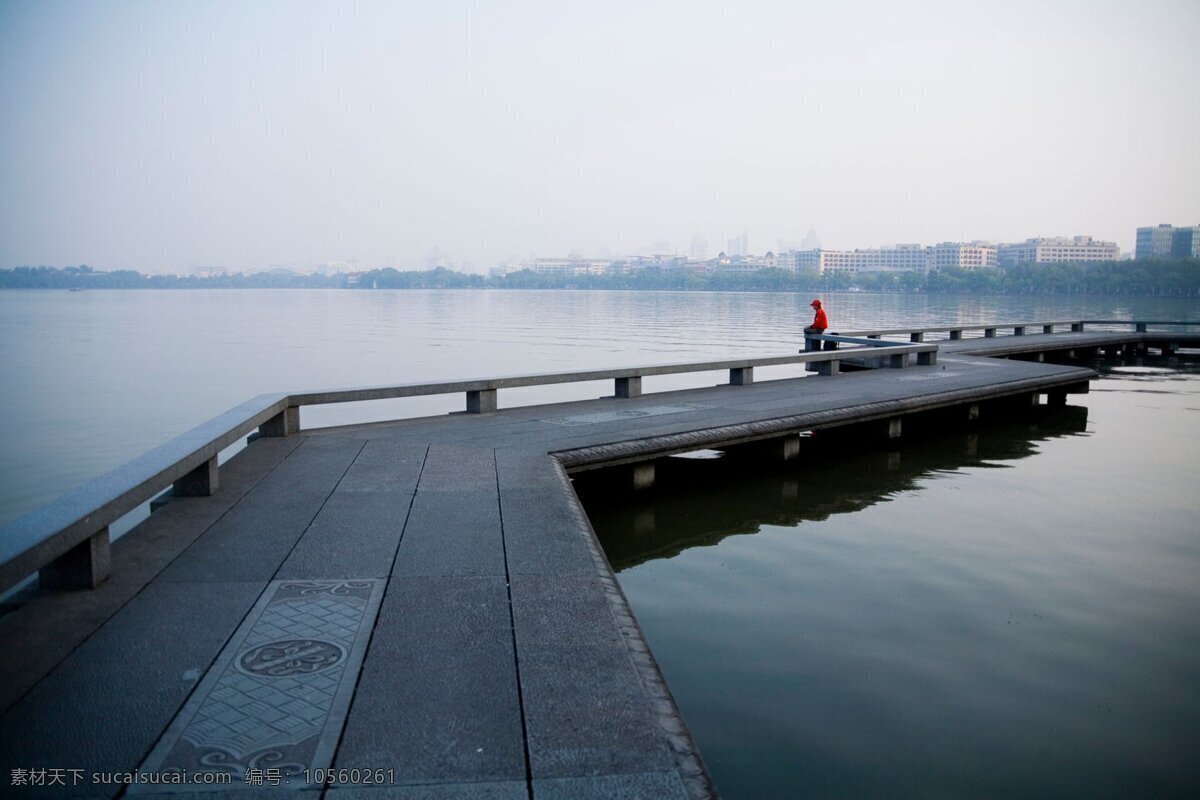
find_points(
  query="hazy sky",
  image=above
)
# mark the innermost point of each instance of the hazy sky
(164, 136)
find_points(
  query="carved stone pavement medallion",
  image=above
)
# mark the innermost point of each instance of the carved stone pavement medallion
(277, 695)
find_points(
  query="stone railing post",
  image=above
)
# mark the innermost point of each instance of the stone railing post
(84, 566)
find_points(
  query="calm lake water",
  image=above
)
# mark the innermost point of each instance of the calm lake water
(1005, 612)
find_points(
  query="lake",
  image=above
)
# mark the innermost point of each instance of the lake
(1003, 611)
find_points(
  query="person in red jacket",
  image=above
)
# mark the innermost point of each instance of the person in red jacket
(819, 323)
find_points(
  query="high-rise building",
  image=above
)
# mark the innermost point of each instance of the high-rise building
(1167, 241)
(738, 245)
(1154, 241)
(699, 247)
(1185, 242)
(1057, 250)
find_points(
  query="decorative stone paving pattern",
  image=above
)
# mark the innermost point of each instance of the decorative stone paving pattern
(277, 696)
(629, 413)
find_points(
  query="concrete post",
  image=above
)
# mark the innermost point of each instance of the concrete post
(789, 447)
(989, 333)
(285, 423)
(481, 402)
(811, 344)
(629, 387)
(200, 482)
(955, 335)
(898, 361)
(1056, 399)
(643, 475)
(927, 359)
(84, 566)
(1047, 329)
(1019, 330)
(741, 376)
(828, 368)
(916, 336)
(895, 427)
(1041, 358)
(1141, 327)
(972, 412)
(1076, 327)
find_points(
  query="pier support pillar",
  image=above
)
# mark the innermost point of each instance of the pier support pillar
(895, 427)
(481, 402)
(989, 333)
(200, 482)
(973, 412)
(828, 368)
(927, 359)
(643, 476)
(916, 337)
(1047, 329)
(788, 447)
(84, 566)
(629, 387)
(1019, 330)
(955, 335)
(1056, 399)
(741, 376)
(898, 361)
(1076, 327)
(1168, 348)
(285, 423)
(1041, 358)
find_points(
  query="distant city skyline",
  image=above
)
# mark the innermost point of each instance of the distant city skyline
(168, 137)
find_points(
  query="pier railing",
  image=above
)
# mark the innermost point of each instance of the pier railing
(67, 540)
(991, 329)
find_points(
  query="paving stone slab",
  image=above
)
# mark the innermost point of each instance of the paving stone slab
(278, 694)
(642, 786)
(255, 537)
(437, 699)
(452, 533)
(458, 468)
(357, 531)
(586, 712)
(546, 531)
(504, 790)
(114, 695)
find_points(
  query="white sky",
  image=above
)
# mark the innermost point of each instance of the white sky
(164, 136)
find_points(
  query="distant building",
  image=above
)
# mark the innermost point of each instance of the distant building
(1057, 250)
(699, 247)
(975, 255)
(571, 266)
(1166, 241)
(1185, 243)
(738, 245)
(896, 258)
(1154, 242)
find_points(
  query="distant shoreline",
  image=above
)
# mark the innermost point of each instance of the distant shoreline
(1146, 277)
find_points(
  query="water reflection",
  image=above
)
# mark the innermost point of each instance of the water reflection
(697, 503)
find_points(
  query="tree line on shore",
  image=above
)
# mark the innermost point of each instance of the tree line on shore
(1171, 277)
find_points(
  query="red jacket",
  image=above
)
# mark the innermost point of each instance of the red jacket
(819, 321)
